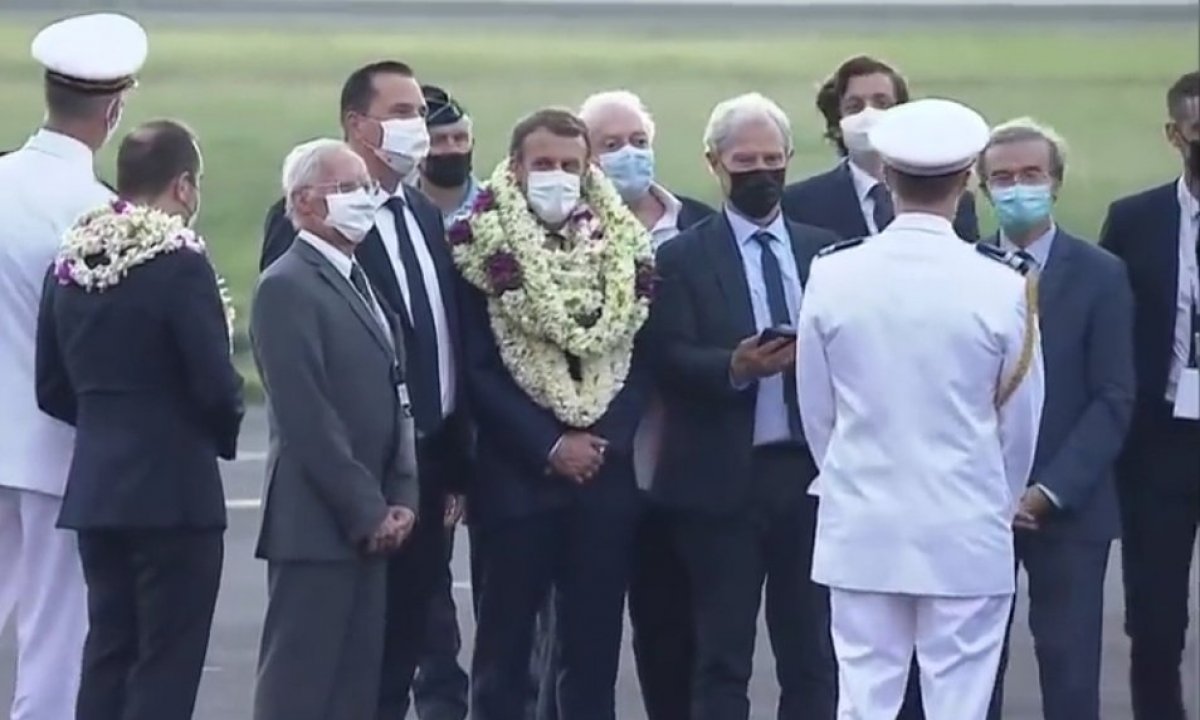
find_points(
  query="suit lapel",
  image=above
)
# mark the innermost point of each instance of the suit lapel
(342, 286)
(1052, 278)
(443, 263)
(1164, 254)
(377, 264)
(844, 203)
(731, 277)
(802, 250)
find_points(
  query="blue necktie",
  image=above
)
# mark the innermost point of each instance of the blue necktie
(777, 302)
(421, 350)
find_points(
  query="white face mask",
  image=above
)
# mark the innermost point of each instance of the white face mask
(352, 214)
(405, 144)
(856, 130)
(553, 194)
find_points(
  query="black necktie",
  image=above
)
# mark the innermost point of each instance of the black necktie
(777, 302)
(425, 385)
(884, 212)
(1194, 345)
(359, 280)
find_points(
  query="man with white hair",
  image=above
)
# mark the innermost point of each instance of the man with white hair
(1069, 513)
(922, 415)
(342, 483)
(734, 462)
(90, 62)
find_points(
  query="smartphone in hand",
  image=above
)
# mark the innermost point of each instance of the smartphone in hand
(782, 332)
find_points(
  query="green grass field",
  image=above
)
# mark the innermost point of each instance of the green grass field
(252, 94)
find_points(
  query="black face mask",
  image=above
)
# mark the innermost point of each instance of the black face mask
(755, 193)
(448, 171)
(1193, 159)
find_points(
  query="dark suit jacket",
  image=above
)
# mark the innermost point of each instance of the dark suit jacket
(692, 212)
(143, 372)
(1086, 310)
(342, 445)
(515, 435)
(449, 442)
(1143, 230)
(830, 201)
(702, 312)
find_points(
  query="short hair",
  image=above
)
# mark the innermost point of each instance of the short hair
(924, 190)
(67, 103)
(829, 97)
(359, 89)
(559, 121)
(618, 98)
(729, 114)
(153, 156)
(303, 167)
(1022, 130)
(1187, 87)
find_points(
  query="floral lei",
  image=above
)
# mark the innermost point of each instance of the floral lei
(583, 294)
(106, 243)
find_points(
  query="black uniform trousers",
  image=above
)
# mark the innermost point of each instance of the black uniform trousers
(151, 595)
(1160, 511)
(440, 688)
(412, 577)
(582, 553)
(729, 558)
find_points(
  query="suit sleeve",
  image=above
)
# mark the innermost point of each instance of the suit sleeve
(814, 384)
(1092, 447)
(286, 335)
(679, 359)
(278, 234)
(198, 327)
(1021, 414)
(496, 399)
(620, 422)
(966, 220)
(55, 394)
(1110, 233)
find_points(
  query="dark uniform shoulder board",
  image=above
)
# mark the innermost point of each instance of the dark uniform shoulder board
(1004, 257)
(839, 246)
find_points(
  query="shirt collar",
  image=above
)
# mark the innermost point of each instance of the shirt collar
(1187, 201)
(744, 230)
(464, 208)
(864, 182)
(63, 147)
(672, 207)
(338, 259)
(922, 223)
(1039, 249)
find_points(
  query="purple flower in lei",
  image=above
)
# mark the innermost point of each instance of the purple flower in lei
(121, 207)
(503, 272)
(460, 233)
(645, 282)
(484, 201)
(62, 271)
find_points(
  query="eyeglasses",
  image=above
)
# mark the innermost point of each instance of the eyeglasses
(371, 188)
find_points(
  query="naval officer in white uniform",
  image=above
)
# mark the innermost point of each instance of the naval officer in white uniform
(90, 62)
(921, 387)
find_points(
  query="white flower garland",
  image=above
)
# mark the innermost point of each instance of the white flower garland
(106, 243)
(586, 299)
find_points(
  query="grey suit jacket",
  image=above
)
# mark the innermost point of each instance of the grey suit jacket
(342, 442)
(1086, 308)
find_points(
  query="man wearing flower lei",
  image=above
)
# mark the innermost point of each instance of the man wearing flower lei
(91, 63)
(133, 349)
(559, 277)
(734, 463)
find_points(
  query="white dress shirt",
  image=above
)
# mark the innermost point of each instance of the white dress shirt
(44, 188)
(1188, 294)
(385, 224)
(667, 226)
(902, 345)
(343, 263)
(864, 183)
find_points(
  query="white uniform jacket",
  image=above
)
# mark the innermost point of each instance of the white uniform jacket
(903, 343)
(44, 188)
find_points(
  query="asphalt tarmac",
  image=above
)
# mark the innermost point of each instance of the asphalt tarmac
(227, 687)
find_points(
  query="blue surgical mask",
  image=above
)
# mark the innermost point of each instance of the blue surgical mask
(1021, 207)
(631, 170)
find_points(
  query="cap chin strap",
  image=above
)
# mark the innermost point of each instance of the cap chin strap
(1009, 386)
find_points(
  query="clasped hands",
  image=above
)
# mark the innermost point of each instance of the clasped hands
(578, 456)
(1035, 506)
(753, 359)
(397, 525)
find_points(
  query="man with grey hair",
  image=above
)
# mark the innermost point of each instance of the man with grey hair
(342, 484)
(734, 464)
(1068, 514)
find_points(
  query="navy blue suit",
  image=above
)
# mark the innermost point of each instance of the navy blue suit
(443, 443)
(743, 517)
(538, 531)
(1158, 474)
(830, 201)
(143, 372)
(1086, 316)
